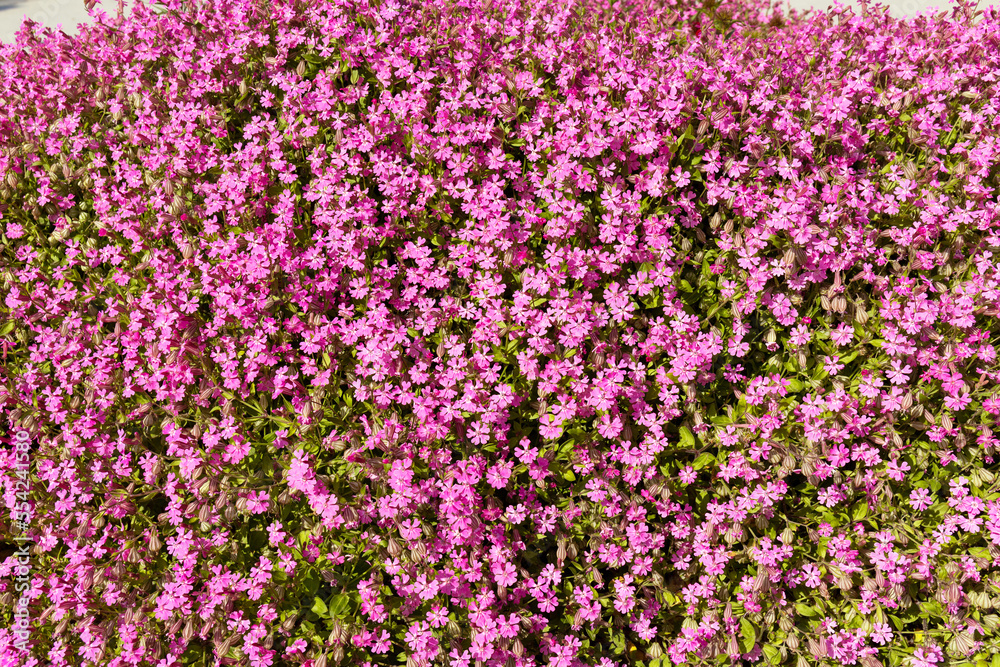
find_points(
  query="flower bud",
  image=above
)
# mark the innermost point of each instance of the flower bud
(761, 582)
(320, 661)
(733, 649)
(394, 547)
(789, 258)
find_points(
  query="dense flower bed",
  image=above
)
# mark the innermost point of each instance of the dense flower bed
(500, 333)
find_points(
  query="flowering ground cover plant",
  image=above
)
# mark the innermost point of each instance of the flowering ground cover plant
(503, 333)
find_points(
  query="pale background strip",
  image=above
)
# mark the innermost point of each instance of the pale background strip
(69, 13)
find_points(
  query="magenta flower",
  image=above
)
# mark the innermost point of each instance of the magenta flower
(920, 499)
(688, 475)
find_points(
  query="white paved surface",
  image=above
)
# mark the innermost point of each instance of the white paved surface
(50, 13)
(69, 13)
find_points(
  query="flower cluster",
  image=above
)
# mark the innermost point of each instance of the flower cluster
(532, 333)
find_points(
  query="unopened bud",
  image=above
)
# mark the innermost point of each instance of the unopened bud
(733, 649)
(394, 547)
(761, 582)
(946, 422)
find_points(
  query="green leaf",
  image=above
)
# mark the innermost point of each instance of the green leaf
(338, 604)
(860, 510)
(849, 358)
(687, 437)
(569, 476)
(7, 328)
(805, 610)
(320, 607)
(772, 654)
(703, 460)
(897, 621)
(795, 386)
(618, 642)
(354, 76)
(748, 635)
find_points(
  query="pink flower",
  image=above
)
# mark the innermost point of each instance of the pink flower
(927, 656)
(258, 502)
(688, 475)
(437, 617)
(297, 646)
(506, 574)
(881, 633)
(897, 469)
(957, 403)
(842, 335)
(899, 374)
(920, 499)
(497, 475)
